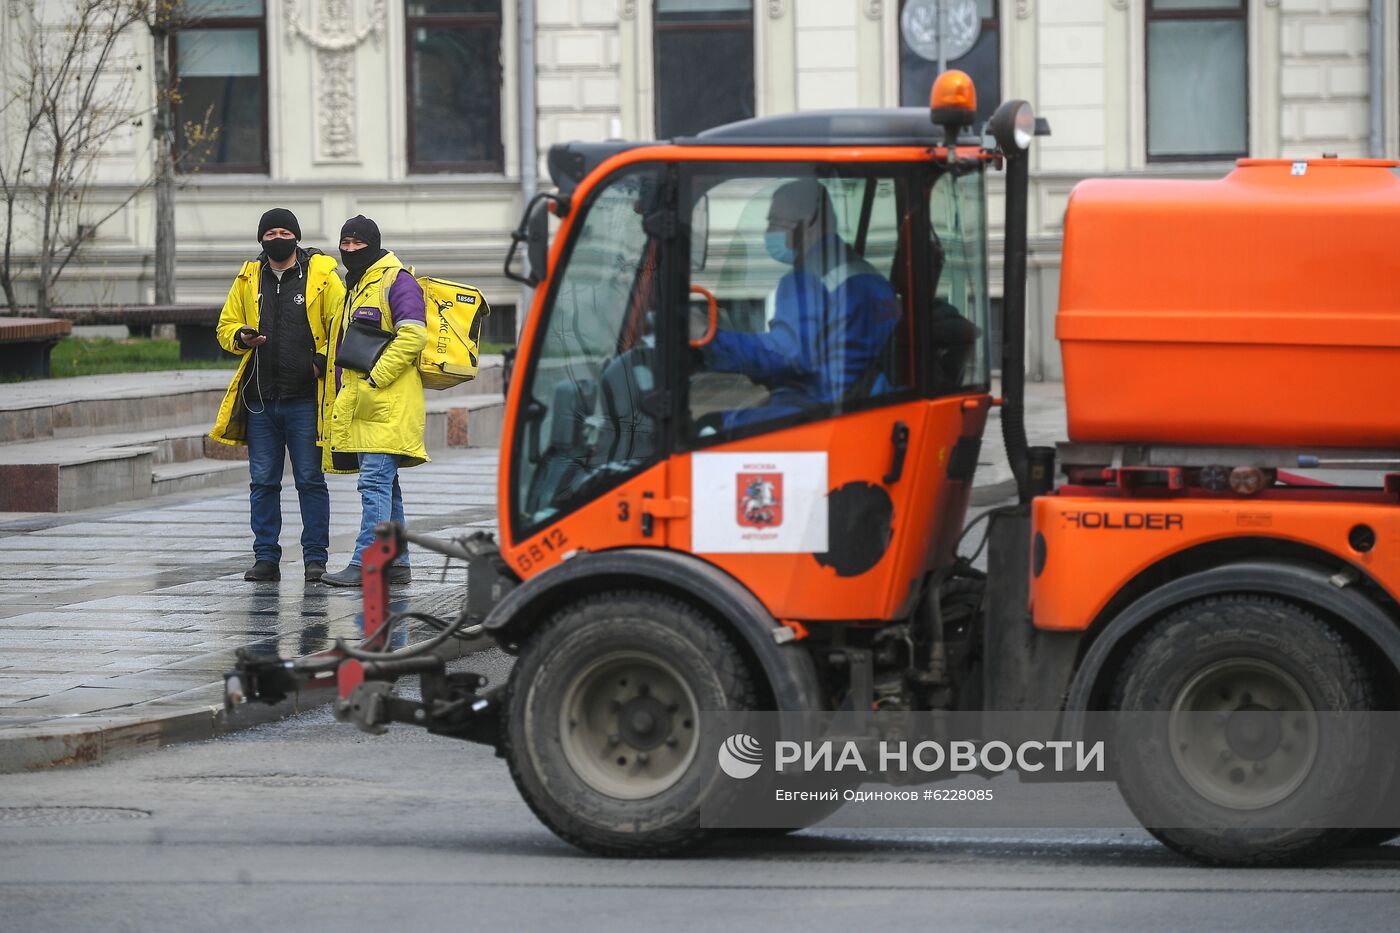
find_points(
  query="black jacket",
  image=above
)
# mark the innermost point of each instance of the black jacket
(284, 368)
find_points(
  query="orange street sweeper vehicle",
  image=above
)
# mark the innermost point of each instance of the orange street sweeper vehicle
(741, 437)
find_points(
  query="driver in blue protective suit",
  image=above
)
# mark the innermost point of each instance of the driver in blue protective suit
(833, 316)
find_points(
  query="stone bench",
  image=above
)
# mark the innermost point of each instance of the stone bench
(194, 324)
(26, 343)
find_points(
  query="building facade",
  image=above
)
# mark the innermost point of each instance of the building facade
(411, 111)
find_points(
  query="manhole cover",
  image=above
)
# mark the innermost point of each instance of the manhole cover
(265, 780)
(67, 816)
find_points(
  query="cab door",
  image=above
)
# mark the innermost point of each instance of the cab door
(816, 430)
(586, 459)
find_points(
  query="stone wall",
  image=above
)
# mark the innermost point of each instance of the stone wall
(578, 58)
(1325, 78)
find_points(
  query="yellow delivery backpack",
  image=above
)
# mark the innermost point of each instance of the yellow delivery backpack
(454, 314)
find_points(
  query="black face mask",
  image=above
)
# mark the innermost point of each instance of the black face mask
(359, 260)
(279, 249)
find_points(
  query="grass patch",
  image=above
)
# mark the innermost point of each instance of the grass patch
(92, 356)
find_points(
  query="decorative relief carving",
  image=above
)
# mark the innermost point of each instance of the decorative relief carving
(337, 33)
(775, 9)
(333, 81)
(1024, 8)
(627, 10)
(1119, 4)
(874, 9)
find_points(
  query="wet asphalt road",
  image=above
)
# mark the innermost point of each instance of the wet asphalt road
(307, 824)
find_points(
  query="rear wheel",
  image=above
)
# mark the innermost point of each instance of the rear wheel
(1240, 770)
(607, 733)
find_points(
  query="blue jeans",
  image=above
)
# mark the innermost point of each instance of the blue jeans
(380, 500)
(287, 426)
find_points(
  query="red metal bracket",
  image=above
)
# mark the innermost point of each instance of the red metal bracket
(374, 568)
(1129, 478)
(349, 675)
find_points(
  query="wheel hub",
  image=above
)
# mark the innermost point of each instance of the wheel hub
(644, 723)
(1243, 733)
(629, 725)
(1254, 732)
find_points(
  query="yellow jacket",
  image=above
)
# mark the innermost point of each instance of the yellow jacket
(325, 293)
(386, 412)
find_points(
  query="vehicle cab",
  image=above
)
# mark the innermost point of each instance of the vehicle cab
(765, 346)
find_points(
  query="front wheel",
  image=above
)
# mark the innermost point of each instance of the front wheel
(1237, 758)
(606, 731)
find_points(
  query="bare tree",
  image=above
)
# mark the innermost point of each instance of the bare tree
(67, 92)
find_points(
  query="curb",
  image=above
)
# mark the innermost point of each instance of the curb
(60, 744)
(993, 492)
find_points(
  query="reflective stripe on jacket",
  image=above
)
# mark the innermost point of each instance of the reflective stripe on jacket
(384, 412)
(325, 294)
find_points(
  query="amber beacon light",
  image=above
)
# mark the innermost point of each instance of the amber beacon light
(953, 101)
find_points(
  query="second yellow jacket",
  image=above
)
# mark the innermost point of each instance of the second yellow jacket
(386, 412)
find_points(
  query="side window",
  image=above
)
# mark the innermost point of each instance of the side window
(585, 423)
(810, 322)
(958, 320)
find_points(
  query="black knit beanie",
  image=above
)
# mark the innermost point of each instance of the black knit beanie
(279, 217)
(364, 228)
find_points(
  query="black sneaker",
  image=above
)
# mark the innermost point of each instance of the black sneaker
(399, 573)
(315, 570)
(263, 571)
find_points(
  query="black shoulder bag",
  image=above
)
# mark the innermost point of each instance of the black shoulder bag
(362, 346)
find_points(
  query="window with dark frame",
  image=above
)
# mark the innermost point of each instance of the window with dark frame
(918, 66)
(704, 55)
(219, 70)
(1197, 80)
(454, 85)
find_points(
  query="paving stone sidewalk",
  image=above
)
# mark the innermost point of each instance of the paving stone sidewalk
(117, 624)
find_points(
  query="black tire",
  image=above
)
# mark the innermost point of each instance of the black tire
(565, 665)
(1235, 638)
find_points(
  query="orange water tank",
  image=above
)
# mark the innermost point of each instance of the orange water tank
(1259, 309)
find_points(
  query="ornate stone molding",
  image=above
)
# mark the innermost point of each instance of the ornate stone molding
(627, 9)
(337, 33)
(874, 9)
(333, 81)
(775, 9)
(1024, 8)
(1119, 4)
